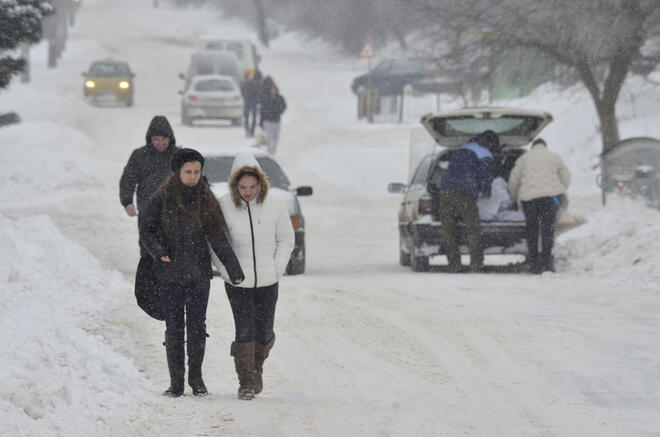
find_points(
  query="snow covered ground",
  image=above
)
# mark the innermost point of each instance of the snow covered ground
(365, 347)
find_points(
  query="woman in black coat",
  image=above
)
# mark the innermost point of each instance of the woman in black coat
(182, 218)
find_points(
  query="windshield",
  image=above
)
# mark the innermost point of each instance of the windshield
(218, 169)
(507, 125)
(109, 69)
(214, 85)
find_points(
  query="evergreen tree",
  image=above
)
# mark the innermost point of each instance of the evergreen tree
(21, 21)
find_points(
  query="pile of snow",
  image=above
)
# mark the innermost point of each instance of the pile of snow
(56, 370)
(40, 159)
(620, 243)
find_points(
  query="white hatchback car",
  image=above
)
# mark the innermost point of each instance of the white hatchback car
(212, 96)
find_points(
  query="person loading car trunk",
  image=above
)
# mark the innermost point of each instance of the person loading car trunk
(537, 179)
(469, 173)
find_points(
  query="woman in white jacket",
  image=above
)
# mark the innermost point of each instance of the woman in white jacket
(537, 179)
(261, 234)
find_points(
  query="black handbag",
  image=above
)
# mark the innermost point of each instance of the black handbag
(146, 291)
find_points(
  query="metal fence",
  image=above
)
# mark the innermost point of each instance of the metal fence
(398, 108)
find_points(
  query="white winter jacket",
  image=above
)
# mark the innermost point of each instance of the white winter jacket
(260, 232)
(538, 173)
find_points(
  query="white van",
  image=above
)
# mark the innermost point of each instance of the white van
(244, 49)
(212, 62)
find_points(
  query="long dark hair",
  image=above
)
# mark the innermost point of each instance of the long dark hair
(206, 210)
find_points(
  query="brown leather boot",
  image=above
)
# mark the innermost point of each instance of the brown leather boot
(243, 354)
(260, 355)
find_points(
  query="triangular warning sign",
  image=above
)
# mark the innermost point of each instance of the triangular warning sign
(367, 51)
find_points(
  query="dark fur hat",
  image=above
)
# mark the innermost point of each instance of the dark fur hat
(185, 155)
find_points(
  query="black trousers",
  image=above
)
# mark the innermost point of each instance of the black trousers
(540, 215)
(254, 312)
(185, 308)
(250, 113)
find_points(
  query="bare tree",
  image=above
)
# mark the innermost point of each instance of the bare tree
(602, 40)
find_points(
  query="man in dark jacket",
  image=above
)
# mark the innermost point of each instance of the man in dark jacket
(251, 91)
(272, 107)
(470, 173)
(148, 167)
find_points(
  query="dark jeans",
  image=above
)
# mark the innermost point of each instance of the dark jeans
(185, 307)
(453, 206)
(250, 112)
(540, 217)
(254, 312)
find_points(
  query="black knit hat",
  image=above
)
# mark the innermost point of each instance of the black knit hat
(185, 155)
(489, 139)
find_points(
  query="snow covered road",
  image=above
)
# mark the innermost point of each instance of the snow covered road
(365, 347)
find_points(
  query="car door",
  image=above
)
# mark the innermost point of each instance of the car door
(416, 189)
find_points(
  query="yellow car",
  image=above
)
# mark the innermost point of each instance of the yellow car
(109, 80)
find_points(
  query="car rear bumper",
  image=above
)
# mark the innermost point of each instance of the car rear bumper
(215, 111)
(497, 237)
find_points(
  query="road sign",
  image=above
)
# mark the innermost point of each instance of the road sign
(367, 51)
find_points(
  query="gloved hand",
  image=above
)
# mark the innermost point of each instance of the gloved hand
(486, 193)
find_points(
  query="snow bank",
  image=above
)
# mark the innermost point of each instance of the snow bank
(56, 370)
(40, 159)
(619, 243)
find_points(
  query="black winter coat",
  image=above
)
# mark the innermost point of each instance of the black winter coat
(272, 108)
(185, 244)
(147, 168)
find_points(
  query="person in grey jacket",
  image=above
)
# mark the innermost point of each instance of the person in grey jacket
(537, 180)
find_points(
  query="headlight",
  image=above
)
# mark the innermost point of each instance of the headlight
(90, 84)
(124, 85)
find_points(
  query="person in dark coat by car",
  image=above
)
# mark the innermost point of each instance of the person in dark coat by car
(182, 216)
(272, 107)
(469, 174)
(251, 91)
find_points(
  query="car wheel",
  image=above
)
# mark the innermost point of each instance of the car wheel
(129, 102)
(420, 263)
(404, 257)
(296, 266)
(237, 121)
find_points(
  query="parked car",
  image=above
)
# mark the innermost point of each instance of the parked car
(244, 49)
(390, 76)
(109, 80)
(212, 96)
(419, 227)
(217, 168)
(225, 63)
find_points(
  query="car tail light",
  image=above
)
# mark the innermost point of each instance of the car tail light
(237, 97)
(192, 97)
(295, 221)
(424, 205)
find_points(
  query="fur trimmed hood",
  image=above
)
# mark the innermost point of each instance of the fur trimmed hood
(238, 173)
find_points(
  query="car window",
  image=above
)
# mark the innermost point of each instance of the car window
(109, 69)
(507, 125)
(236, 48)
(383, 67)
(422, 172)
(404, 66)
(218, 169)
(214, 85)
(276, 176)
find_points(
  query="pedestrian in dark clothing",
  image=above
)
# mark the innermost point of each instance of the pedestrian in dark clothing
(469, 174)
(262, 236)
(182, 216)
(272, 107)
(537, 180)
(251, 91)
